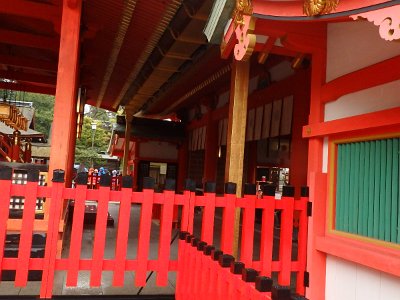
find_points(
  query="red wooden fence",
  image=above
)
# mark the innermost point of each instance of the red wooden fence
(206, 273)
(187, 201)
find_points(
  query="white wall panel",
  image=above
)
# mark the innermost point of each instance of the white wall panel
(352, 46)
(349, 281)
(369, 100)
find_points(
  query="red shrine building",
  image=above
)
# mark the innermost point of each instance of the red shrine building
(251, 100)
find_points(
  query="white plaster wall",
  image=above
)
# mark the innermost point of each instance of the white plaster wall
(350, 281)
(158, 150)
(369, 100)
(355, 45)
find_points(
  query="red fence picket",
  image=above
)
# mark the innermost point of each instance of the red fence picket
(201, 273)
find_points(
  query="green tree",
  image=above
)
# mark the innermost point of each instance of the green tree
(100, 138)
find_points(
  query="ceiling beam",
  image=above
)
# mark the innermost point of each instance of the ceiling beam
(29, 63)
(23, 8)
(29, 40)
(27, 88)
(29, 77)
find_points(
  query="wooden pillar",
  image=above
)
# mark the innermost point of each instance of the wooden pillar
(211, 150)
(128, 128)
(316, 260)
(237, 133)
(65, 101)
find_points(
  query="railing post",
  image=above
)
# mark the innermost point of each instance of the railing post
(188, 206)
(285, 247)
(212, 286)
(246, 249)
(28, 218)
(263, 285)
(164, 247)
(236, 270)
(181, 273)
(223, 281)
(248, 277)
(280, 292)
(302, 241)
(56, 205)
(267, 229)
(207, 227)
(198, 268)
(205, 274)
(144, 231)
(77, 229)
(100, 230)
(228, 218)
(5, 195)
(121, 247)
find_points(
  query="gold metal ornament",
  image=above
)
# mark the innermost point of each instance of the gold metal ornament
(243, 7)
(319, 7)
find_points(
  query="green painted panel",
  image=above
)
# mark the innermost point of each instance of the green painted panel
(395, 232)
(346, 187)
(371, 188)
(339, 189)
(362, 203)
(388, 189)
(382, 186)
(375, 231)
(356, 187)
(367, 189)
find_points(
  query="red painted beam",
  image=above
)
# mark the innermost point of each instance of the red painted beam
(29, 63)
(25, 87)
(28, 40)
(23, 8)
(28, 77)
(374, 75)
(388, 117)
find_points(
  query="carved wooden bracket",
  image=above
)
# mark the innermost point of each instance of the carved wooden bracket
(388, 20)
(246, 39)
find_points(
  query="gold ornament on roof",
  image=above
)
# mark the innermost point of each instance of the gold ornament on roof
(243, 7)
(319, 7)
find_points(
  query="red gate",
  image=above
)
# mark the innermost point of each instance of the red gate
(284, 266)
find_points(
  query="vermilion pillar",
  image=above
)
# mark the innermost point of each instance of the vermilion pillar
(65, 103)
(316, 260)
